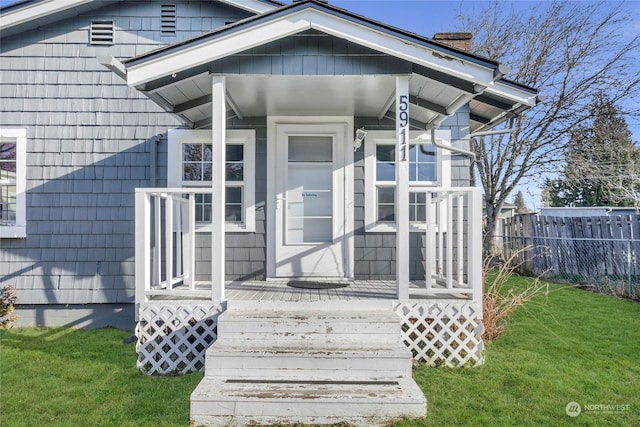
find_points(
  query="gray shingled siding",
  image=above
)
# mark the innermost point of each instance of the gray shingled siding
(311, 53)
(375, 253)
(89, 145)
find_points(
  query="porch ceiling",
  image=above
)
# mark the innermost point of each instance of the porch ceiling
(260, 95)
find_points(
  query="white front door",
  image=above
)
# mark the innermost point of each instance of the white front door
(310, 193)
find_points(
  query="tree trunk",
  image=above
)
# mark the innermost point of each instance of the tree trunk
(490, 241)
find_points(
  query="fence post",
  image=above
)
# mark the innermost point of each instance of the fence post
(629, 265)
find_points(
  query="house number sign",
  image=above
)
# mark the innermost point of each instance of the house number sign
(403, 116)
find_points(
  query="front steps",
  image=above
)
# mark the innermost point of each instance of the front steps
(308, 363)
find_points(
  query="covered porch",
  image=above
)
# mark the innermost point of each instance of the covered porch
(310, 91)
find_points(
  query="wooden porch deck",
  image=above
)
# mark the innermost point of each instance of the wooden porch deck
(275, 290)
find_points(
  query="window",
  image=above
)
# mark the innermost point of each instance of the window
(101, 32)
(168, 19)
(428, 167)
(13, 167)
(193, 151)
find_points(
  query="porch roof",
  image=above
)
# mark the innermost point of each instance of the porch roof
(443, 79)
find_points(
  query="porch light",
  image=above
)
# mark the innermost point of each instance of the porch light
(360, 135)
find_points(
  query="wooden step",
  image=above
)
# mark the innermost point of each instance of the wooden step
(374, 326)
(220, 402)
(310, 359)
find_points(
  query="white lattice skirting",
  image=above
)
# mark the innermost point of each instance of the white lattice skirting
(173, 336)
(447, 334)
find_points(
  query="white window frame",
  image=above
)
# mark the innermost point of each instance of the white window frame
(443, 170)
(246, 137)
(18, 229)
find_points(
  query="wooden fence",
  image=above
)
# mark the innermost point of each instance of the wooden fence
(576, 247)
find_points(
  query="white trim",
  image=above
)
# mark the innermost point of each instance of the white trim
(247, 137)
(44, 8)
(255, 6)
(512, 93)
(375, 137)
(218, 151)
(37, 11)
(260, 34)
(402, 187)
(19, 229)
(271, 223)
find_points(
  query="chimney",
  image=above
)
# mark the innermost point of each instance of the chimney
(460, 41)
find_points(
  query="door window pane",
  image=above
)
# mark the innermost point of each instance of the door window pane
(309, 190)
(310, 148)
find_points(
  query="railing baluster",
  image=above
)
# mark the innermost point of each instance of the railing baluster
(177, 221)
(430, 238)
(460, 236)
(449, 271)
(157, 250)
(168, 222)
(191, 261)
(439, 238)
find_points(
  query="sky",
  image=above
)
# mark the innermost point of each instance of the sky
(426, 18)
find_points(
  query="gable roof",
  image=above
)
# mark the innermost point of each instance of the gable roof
(454, 78)
(27, 14)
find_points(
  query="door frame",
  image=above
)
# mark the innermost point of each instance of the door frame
(273, 163)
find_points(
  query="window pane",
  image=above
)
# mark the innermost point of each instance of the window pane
(422, 163)
(309, 148)
(192, 172)
(386, 153)
(386, 204)
(386, 213)
(233, 204)
(309, 230)
(235, 153)
(207, 152)
(207, 173)
(8, 161)
(234, 171)
(203, 207)
(386, 195)
(417, 207)
(8, 204)
(192, 152)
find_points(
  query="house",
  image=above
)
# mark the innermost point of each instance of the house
(172, 161)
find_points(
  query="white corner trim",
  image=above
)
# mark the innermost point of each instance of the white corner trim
(19, 229)
(260, 34)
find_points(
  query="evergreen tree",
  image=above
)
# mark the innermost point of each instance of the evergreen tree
(521, 205)
(601, 162)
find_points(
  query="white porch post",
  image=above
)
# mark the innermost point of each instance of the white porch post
(218, 138)
(402, 187)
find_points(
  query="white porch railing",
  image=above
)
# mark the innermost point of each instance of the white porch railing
(453, 242)
(166, 241)
(166, 244)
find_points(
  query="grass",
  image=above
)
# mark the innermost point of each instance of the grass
(568, 346)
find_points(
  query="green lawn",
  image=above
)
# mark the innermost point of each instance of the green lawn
(568, 346)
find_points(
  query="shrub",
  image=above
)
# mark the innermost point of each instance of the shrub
(497, 301)
(8, 296)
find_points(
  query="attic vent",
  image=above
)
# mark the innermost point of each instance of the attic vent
(168, 19)
(101, 32)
